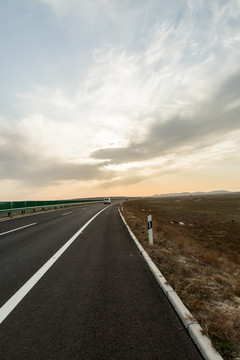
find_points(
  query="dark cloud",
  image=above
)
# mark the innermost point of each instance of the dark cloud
(134, 152)
(230, 89)
(22, 161)
(211, 121)
(130, 179)
(56, 171)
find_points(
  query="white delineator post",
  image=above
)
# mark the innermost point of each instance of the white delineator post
(150, 232)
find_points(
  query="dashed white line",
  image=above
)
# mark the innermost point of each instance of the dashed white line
(8, 307)
(70, 212)
(22, 227)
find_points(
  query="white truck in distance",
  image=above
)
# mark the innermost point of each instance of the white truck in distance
(107, 200)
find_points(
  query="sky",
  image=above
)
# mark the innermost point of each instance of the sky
(118, 98)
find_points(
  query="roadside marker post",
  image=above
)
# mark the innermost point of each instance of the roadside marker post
(150, 232)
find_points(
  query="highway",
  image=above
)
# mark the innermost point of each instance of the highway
(70, 289)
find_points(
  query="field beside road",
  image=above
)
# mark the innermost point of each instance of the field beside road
(197, 249)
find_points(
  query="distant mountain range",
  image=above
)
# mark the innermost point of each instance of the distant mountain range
(197, 193)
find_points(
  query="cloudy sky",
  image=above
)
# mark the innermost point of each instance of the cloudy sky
(109, 97)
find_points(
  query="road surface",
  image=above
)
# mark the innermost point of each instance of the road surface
(98, 300)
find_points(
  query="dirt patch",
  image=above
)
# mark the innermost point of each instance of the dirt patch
(197, 248)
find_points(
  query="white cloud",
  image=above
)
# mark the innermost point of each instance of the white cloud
(123, 92)
(157, 91)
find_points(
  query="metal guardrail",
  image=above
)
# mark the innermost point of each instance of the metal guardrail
(46, 205)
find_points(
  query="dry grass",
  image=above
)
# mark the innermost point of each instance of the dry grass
(200, 259)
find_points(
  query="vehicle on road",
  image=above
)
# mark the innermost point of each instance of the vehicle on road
(107, 200)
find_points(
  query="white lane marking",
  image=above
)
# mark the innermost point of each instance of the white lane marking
(22, 227)
(70, 212)
(8, 307)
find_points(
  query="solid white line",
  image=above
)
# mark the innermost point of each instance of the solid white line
(70, 212)
(196, 332)
(22, 227)
(8, 307)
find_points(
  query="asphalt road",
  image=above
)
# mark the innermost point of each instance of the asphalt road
(97, 301)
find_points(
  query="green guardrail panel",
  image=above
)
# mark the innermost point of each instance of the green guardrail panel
(24, 205)
(5, 205)
(12, 205)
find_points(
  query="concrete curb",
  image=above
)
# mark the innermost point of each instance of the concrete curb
(196, 332)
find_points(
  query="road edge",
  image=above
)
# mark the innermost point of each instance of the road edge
(202, 342)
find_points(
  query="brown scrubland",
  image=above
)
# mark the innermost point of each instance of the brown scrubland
(197, 249)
